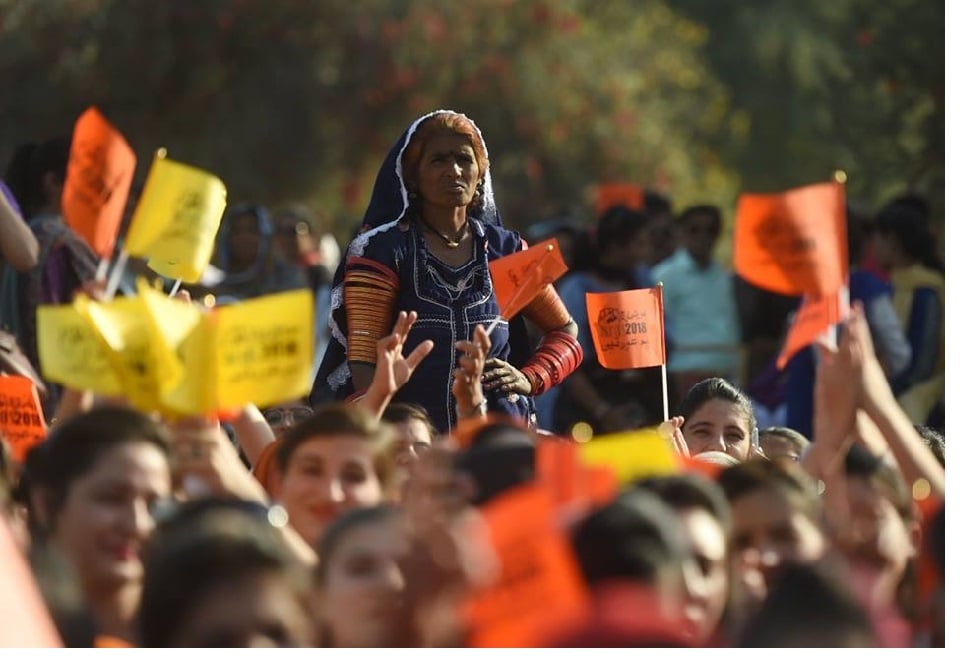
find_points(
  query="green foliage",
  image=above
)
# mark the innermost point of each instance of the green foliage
(290, 100)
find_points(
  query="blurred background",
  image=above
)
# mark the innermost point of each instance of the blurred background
(296, 101)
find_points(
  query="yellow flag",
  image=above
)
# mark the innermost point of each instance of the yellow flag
(632, 455)
(71, 352)
(195, 392)
(264, 349)
(259, 351)
(169, 322)
(122, 325)
(177, 219)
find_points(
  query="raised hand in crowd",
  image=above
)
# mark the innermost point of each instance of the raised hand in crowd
(468, 383)
(393, 370)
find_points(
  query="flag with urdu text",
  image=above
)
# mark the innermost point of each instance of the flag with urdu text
(176, 221)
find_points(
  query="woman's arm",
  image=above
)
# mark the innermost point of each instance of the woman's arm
(18, 245)
(556, 357)
(253, 432)
(393, 369)
(369, 297)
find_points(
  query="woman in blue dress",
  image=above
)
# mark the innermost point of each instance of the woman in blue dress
(428, 236)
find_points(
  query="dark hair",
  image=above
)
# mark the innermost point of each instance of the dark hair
(690, 491)
(656, 203)
(30, 163)
(859, 228)
(72, 449)
(501, 456)
(205, 544)
(861, 463)
(908, 225)
(705, 210)
(636, 537)
(716, 388)
(341, 527)
(618, 225)
(809, 606)
(403, 412)
(783, 477)
(796, 439)
(331, 421)
(934, 441)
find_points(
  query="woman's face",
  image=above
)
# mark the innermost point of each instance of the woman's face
(257, 610)
(448, 173)
(325, 477)
(707, 578)
(108, 514)
(718, 425)
(768, 532)
(244, 240)
(878, 536)
(411, 439)
(361, 594)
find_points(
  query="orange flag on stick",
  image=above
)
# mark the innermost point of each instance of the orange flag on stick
(618, 194)
(21, 419)
(519, 277)
(815, 316)
(795, 242)
(539, 584)
(99, 174)
(627, 328)
(26, 621)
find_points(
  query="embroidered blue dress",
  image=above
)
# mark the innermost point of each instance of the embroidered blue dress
(450, 301)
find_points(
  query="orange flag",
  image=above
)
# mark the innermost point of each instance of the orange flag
(618, 194)
(795, 242)
(815, 316)
(519, 277)
(21, 419)
(99, 174)
(539, 583)
(568, 480)
(627, 328)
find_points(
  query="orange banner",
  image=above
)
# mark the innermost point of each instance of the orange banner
(21, 418)
(519, 277)
(99, 174)
(627, 328)
(618, 194)
(814, 317)
(539, 583)
(793, 243)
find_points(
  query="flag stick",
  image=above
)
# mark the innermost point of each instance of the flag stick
(519, 291)
(663, 366)
(663, 382)
(115, 276)
(176, 287)
(102, 269)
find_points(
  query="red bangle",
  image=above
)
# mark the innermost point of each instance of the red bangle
(557, 356)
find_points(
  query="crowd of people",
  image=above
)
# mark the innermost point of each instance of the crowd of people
(396, 505)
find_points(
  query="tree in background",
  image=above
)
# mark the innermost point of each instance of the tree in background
(294, 100)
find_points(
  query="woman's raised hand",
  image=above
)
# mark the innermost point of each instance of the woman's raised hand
(467, 379)
(393, 369)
